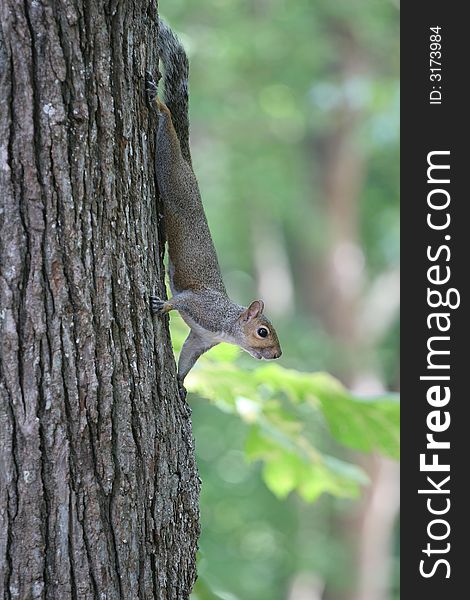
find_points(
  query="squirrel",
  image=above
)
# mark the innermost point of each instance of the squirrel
(196, 283)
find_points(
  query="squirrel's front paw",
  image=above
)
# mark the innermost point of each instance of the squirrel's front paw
(158, 306)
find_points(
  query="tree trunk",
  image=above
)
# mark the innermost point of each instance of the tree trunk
(98, 483)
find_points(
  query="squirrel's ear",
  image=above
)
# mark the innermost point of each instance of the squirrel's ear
(254, 310)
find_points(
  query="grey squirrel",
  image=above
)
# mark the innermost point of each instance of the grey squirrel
(195, 280)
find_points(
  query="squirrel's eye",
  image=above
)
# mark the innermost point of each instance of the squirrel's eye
(262, 332)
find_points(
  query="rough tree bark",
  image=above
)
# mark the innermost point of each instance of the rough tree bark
(98, 483)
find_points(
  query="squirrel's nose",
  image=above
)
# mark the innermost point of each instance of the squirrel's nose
(278, 354)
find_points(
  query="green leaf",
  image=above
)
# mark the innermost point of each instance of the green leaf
(204, 591)
(365, 424)
(280, 474)
(293, 468)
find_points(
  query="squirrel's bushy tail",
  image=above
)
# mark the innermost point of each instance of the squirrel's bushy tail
(176, 75)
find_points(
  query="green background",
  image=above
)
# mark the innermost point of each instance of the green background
(294, 135)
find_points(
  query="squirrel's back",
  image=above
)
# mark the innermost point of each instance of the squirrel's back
(193, 259)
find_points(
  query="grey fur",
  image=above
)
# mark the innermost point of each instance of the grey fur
(196, 282)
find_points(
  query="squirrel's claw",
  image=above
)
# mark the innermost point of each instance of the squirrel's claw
(152, 94)
(157, 306)
(150, 86)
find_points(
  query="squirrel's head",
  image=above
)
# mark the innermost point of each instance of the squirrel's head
(259, 336)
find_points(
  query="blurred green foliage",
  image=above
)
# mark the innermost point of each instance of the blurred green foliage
(270, 80)
(279, 404)
(275, 424)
